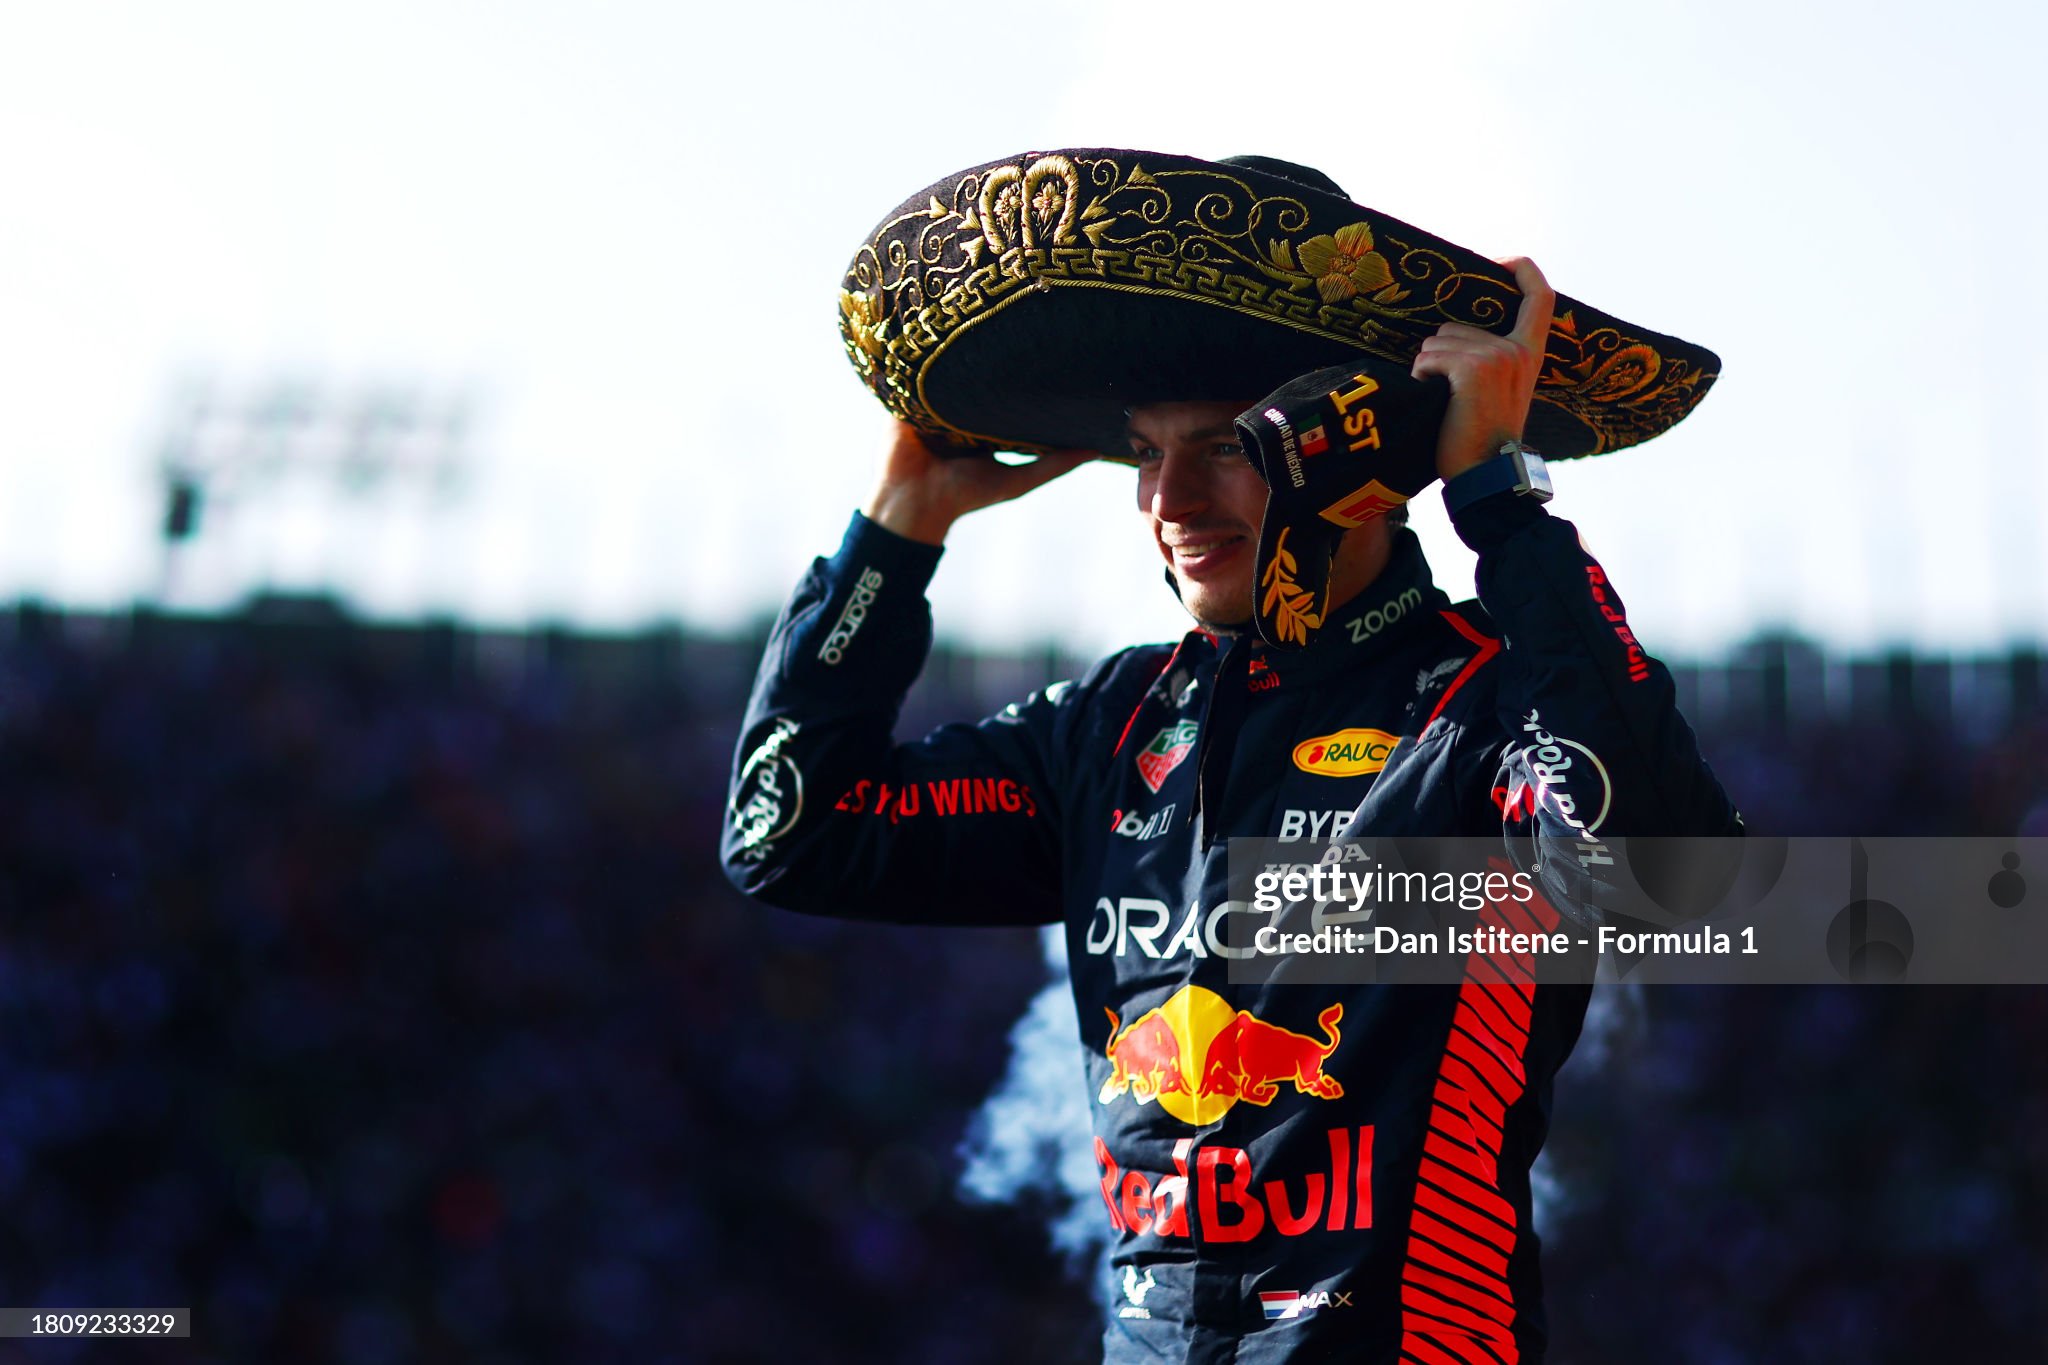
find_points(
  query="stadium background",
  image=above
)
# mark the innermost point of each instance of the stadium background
(381, 385)
(374, 992)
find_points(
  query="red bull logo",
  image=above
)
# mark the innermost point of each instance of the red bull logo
(1215, 1194)
(1196, 1057)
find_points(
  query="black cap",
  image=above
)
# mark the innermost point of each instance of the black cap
(1337, 448)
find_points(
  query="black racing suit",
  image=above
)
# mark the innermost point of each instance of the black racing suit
(1289, 1172)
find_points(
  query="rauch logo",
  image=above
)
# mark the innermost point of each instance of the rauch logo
(1348, 753)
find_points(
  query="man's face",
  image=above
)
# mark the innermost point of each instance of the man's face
(1204, 502)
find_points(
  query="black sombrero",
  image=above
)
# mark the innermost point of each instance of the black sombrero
(1024, 304)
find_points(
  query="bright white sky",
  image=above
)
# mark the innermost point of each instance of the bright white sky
(620, 226)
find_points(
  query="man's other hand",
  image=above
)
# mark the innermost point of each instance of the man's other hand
(1492, 377)
(922, 493)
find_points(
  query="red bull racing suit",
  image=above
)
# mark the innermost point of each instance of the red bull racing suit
(1289, 1172)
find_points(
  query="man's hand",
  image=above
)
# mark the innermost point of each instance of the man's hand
(1492, 377)
(922, 494)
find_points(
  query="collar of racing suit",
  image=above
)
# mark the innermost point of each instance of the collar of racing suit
(1358, 629)
(1244, 665)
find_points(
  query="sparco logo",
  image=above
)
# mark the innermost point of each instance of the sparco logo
(850, 619)
(1371, 623)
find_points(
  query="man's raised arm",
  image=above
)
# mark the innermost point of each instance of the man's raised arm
(1596, 743)
(826, 813)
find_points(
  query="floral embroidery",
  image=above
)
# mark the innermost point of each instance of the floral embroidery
(1046, 204)
(1007, 199)
(864, 326)
(1344, 264)
(1172, 228)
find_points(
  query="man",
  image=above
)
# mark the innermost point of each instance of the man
(1290, 1172)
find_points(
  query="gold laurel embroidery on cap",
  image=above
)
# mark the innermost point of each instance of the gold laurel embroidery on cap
(1290, 605)
(931, 273)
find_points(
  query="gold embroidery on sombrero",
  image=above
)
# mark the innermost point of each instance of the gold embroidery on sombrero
(1345, 265)
(1187, 234)
(867, 332)
(930, 273)
(1287, 602)
(1629, 370)
(1620, 387)
(1022, 208)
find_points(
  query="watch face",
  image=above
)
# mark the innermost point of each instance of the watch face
(1535, 476)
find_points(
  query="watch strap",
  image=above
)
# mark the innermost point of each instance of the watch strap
(1506, 472)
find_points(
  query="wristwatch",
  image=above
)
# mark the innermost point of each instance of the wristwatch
(1515, 468)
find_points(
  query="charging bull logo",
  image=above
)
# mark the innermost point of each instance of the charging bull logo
(1144, 1059)
(1228, 1055)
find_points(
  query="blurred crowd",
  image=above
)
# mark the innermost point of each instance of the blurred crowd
(374, 993)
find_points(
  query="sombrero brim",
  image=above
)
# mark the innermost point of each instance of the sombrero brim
(1025, 304)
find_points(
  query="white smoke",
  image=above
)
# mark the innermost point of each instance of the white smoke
(1615, 1020)
(1029, 1143)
